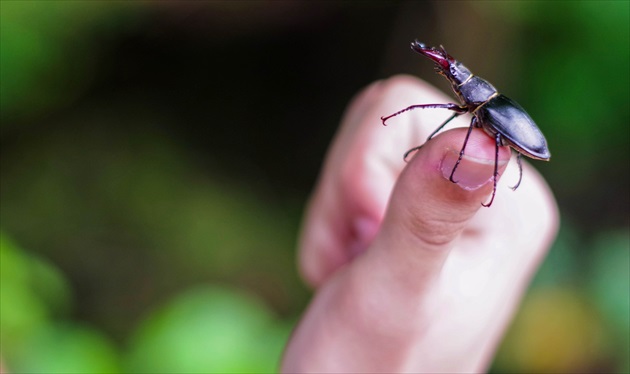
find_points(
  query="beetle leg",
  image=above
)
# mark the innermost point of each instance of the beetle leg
(496, 169)
(450, 106)
(444, 124)
(520, 171)
(461, 153)
(410, 151)
(432, 135)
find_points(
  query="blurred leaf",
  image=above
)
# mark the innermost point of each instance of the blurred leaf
(208, 330)
(611, 276)
(46, 54)
(50, 286)
(66, 349)
(13, 263)
(610, 288)
(31, 290)
(555, 331)
(20, 313)
(561, 264)
(139, 205)
(575, 317)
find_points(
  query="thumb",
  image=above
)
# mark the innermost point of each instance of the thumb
(427, 212)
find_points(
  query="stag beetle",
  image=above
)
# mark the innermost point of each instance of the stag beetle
(500, 117)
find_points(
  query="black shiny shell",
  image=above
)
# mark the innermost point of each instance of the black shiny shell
(504, 116)
(476, 91)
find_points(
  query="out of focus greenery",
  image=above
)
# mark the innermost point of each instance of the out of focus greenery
(156, 156)
(208, 329)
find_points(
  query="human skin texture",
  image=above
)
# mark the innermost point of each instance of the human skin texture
(410, 272)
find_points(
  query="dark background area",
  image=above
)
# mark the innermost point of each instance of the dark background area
(156, 157)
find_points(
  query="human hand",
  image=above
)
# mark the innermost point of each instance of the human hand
(411, 273)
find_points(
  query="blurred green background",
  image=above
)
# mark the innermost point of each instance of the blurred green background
(156, 157)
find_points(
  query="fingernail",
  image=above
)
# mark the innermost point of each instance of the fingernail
(471, 173)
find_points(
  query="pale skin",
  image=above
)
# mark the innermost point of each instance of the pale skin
(410, 272)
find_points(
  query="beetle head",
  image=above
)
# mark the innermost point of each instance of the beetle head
(445, 64)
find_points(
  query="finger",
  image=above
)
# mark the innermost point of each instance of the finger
(427, 211)
(351, 196)
(369, 316)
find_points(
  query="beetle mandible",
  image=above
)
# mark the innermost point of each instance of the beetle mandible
(500, 117)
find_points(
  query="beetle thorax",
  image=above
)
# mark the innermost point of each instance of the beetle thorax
(475, 91)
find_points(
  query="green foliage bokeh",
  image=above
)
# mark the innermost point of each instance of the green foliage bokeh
(156, 156)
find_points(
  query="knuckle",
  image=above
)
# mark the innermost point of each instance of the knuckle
(434, 231)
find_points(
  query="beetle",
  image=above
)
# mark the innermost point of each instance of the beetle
(500, 117)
